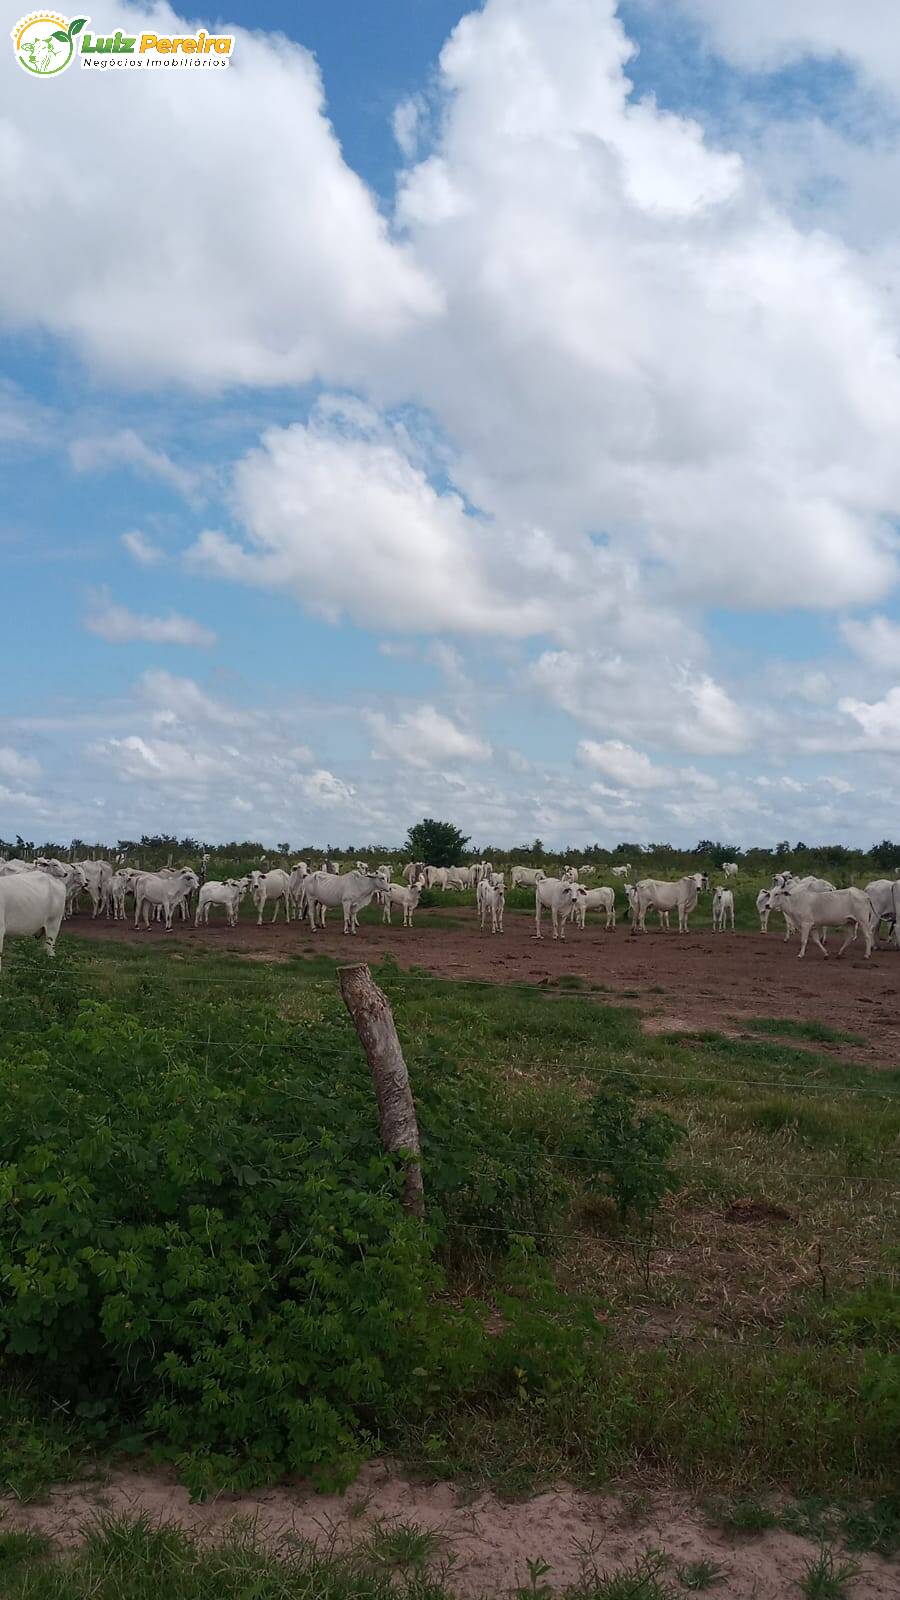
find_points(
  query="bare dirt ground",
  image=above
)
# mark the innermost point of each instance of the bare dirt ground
(694, 980)
(485, 1542)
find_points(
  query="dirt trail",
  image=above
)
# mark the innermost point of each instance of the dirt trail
(697, 980)
(486, 1542)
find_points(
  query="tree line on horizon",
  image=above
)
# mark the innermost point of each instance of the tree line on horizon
(444, 844)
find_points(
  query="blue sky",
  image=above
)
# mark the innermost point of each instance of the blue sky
(494, 421)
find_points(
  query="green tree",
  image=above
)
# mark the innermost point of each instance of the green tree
(439, 843)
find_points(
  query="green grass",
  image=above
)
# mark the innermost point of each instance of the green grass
(698, 1575)
(827, 1578)
(816, 1032)
(403, 1546)
(731, 1356)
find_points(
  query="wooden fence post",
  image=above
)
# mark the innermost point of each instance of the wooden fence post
(373, 1020)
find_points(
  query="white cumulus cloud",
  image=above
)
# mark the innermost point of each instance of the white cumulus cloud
(424, 737)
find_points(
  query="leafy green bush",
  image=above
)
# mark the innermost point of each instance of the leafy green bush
(629, 1148)
(257, 1289)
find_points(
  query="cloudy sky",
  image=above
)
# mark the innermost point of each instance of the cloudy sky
(490, 414)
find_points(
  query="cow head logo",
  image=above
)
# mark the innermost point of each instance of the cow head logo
(44, 42)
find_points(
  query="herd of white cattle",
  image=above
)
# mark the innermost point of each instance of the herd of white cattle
(35, 897)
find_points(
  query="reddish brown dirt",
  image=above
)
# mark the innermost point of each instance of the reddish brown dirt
(695, 980)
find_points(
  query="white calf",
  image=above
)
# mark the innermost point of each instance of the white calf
(597, 900)
(621, 872)
(730, 869)
(560, 899)
(31, 903)
(405, 895)
(266, 886)
(723, 909)
(763, 906)
(491, 897)
(165, 890)
(229, 894)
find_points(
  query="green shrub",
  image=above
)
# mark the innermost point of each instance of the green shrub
(629, 1149)
(255, 1289)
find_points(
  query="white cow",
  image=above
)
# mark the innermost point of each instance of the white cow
(621, 872)
(119, 885)
(99, 876)
(680, 896)
(274, 885)
(351, 891)
(413, 871)
(730, 869)
(763, 906)
(811, 910)
(167, 890)
(790, 884)
(459, 877)
(561, 899)
(569, 875)
(333, 867)
(11, 868)
(597, 900)
(491, 899)
(631, 890)
(526, 877)
(31, 903)
(404, 895)
(229, 894)
(723, 910)
(298, 874)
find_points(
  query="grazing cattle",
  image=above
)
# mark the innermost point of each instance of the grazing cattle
(351, 891)
(597, 900)
(229, 894)
(681, 896)
(526, 877)
(560, 899)
(621, 872)
(31, 903)
(730, 869)
(166, 890)
(435, 877)
(405, 895)
(491, 900)
(459, 877)
(811, 910)
(763, 906)
(274, 885)
(723, 910)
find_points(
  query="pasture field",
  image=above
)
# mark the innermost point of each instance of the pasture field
(661, 1250)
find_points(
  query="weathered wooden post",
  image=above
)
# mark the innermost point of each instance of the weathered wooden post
(373, 1020)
